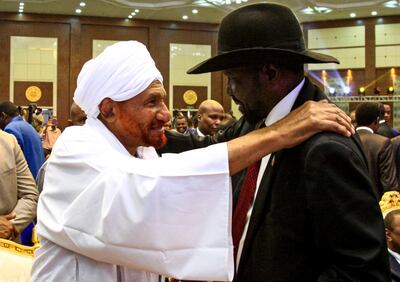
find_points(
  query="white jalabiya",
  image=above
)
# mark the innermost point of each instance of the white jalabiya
(122, 71)
(101, 207)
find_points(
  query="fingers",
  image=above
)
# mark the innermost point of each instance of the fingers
(10, 216)
(331, 118)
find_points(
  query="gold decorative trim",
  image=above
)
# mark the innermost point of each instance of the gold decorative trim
(16, 248)
(390, 201)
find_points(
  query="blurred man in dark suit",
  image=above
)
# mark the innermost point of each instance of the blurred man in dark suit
(378, 149)
(384, 118)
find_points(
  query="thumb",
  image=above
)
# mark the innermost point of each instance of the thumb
(10, 216)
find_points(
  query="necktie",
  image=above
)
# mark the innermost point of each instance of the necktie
(245, 199)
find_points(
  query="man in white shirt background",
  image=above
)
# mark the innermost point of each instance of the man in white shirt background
(209, 116)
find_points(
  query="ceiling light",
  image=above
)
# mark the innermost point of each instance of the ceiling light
(390, 90)
(185, 17)
(218, 2)
(316, 10)
(133, 14)
(21, 10)
(82, 4)
(22, 4)
(332, 90)
(353, 15)
(361, 90)
(78, 11)
(130, 16)
(136, 10)
(346, 90)
(195, 11)
(374, 13)
(392, 4)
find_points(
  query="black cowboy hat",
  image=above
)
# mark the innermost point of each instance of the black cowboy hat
(260, 33)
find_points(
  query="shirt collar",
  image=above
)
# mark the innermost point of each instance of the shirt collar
(199, 132)
(396, 255)
(18, 117)
(364, 128)
(284, 106)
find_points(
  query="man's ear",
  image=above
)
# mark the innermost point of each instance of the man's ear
(108, 109)
(269, 71)
(388, 238)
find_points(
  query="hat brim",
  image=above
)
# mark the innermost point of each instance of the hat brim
(251, 56)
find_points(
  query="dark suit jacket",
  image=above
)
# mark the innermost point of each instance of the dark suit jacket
(385, 130)
(396, 154)
(395, 268)
(381, 163)
(315, 217)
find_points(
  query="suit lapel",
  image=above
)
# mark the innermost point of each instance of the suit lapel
(261, 207)
(394, 265)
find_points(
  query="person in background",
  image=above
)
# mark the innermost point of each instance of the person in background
(37, 119)
(209, 116)
(390, 206)
(226, 122)
(111, 210)
(28, 139)
(77, 115)
(308, 213)
(378, 149)
(30, 143)
(18, 192)
(384, 118)
(168, 125)
(49, 136)
(392, 224)
(181, 123)
(387, 116)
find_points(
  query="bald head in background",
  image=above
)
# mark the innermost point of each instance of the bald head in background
(78, 116)
(209, 116)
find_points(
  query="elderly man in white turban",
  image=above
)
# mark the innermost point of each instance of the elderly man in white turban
(111, 210)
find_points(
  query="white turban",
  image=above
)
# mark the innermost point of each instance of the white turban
(121, 72)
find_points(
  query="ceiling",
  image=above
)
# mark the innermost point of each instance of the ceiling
(208, 12)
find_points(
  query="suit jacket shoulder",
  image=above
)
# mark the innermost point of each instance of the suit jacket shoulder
(19, 192)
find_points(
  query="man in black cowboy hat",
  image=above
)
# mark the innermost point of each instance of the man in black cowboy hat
(307, 213)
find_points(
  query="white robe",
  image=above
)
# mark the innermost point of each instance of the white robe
(101, 207)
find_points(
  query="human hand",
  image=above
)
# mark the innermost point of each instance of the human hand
(311, 118)
(7, 227)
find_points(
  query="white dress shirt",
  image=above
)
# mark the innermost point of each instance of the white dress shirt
(281, 110)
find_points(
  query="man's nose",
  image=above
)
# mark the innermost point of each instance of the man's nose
(164, 113)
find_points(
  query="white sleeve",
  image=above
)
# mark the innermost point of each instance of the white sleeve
(170, 215)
